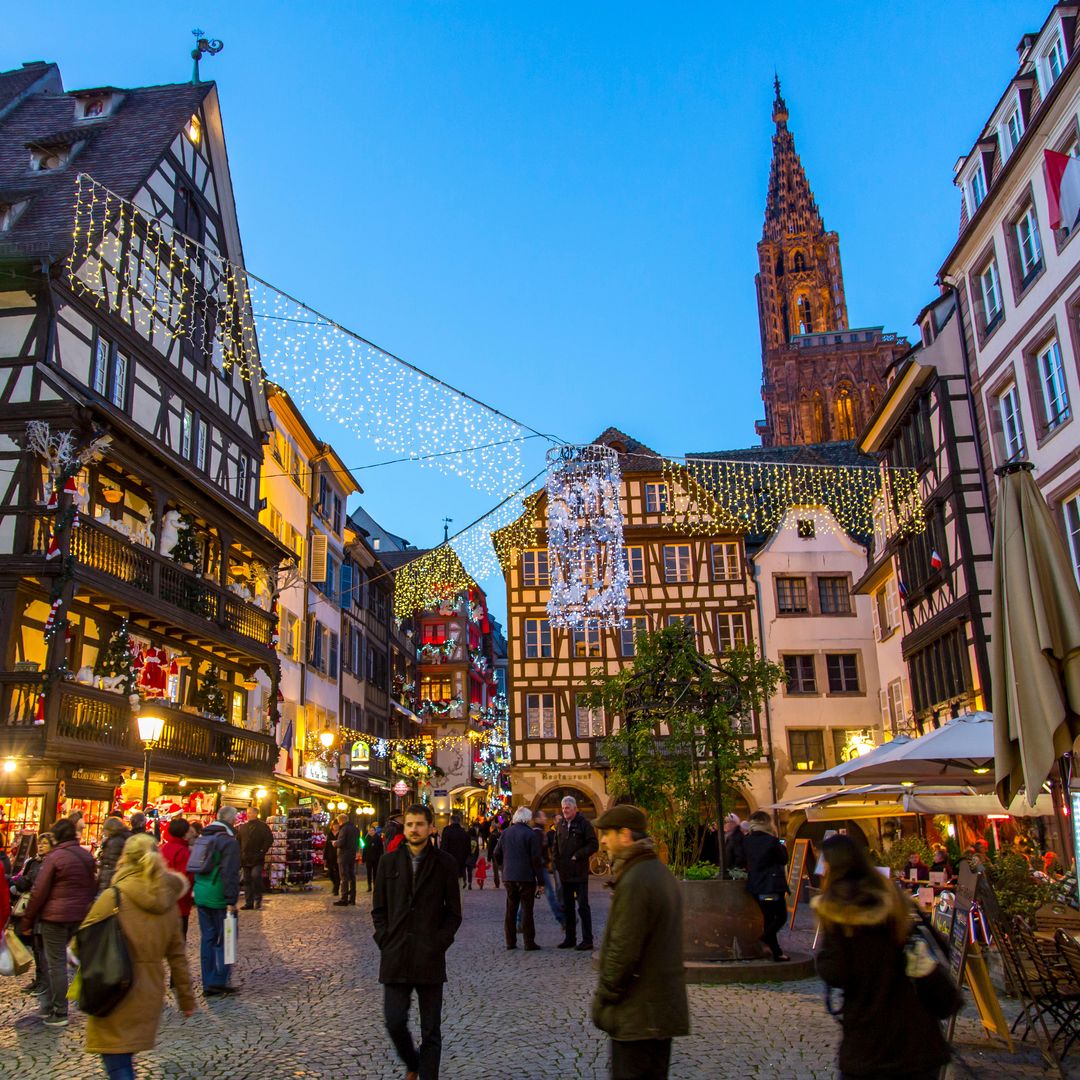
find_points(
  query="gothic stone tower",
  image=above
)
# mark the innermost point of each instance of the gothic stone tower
(820, 379)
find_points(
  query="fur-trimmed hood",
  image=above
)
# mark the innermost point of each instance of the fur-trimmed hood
(860, 906)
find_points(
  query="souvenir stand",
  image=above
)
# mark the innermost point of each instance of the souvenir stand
(298, 848)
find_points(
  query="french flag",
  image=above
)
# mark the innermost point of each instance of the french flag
(1062, 175)
(901, 587)
(935, 561)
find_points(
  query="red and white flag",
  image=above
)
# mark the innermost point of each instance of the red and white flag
(1062, 174)
(935, 560)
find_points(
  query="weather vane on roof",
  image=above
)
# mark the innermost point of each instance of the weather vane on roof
(203, 46)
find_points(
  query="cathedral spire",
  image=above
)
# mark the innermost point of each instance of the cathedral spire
(789, 206)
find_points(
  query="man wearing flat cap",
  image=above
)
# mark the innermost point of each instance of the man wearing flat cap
(641, 997)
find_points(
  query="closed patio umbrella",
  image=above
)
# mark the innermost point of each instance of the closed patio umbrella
(1035, 639)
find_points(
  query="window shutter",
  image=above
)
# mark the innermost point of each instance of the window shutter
(892, 599)
(310, 637)
(874, 612)
(883, 703)
(346, 585)
(905, 705)
(318, 557)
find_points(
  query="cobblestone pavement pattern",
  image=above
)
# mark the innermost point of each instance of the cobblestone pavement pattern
(311, 1008)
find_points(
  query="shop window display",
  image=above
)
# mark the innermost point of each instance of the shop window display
(94, 812)
(18, 816)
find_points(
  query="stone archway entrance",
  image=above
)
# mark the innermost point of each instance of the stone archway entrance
(551, 802)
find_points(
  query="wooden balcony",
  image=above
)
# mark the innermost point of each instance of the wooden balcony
(97, 728)
(110, 562)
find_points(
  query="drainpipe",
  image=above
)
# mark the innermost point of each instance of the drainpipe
(755, 572)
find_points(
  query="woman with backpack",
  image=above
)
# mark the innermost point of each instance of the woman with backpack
(887, 1031)
(150, 922)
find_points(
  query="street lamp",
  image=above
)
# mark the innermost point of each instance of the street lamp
(326, 738)
(150, 729)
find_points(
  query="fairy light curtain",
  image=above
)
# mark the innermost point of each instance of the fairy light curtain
(168, 287)
(709, 495)
(585, 537)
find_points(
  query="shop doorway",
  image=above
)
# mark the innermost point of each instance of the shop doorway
(551, 802)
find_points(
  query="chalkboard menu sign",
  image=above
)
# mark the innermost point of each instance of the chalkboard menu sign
(796, 875)
(960, 931)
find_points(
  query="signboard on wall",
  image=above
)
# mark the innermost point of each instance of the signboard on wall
(360, 755)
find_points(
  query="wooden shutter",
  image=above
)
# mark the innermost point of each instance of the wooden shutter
(883, 702)
(874, 613)
(346, 585)
(318, 557)
(892, 601)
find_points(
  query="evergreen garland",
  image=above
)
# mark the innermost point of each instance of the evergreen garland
(209, 697)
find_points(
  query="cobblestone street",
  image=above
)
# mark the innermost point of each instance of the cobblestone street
(311, 1007)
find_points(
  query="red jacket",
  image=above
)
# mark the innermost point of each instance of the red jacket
(65, 886)
(175, 853)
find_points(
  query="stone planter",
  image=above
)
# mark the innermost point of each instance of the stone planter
(721, 921)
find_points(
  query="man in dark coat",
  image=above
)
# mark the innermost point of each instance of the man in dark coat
(455, 841)
(575, 844)
(348, 844)
(640, 1000)
(256, 840)
(372, 853)
(519, 851)
(416, 910)
(766, 877)
(116, 836)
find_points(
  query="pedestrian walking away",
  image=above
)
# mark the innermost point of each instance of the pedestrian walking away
(372, 853)
(455, 841)
(255, 840)
(640, 998)
(330, 859)
(575, 845)
(115, 834)
(176, 851)
(63, 891)
(150, 922)
(547, 866)
(416, 910)
(886, 1031)
(348, 844)
(492, 842)
(766, 877)
(215, 863)
(519, 850)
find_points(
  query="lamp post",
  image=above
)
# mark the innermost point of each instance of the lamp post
(150, 729)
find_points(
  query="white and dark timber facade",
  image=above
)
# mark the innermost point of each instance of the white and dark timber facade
(186, 447)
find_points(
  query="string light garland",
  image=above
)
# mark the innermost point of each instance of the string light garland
(585, 537)
(169, 287)
(433, 578)
(710, 495)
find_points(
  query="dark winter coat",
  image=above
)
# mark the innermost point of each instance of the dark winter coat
(373, 850)
(766, 864)
(455, 841)
(642, 989)
(886, 1030)
(575, 844)
(256, 840)
(65, 886)
(735, 849)
(415, 919)
(23, 882)
(347, 842)
(109, 856)
(518, 852)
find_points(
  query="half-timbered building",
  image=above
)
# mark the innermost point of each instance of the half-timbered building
(161, 535)
(942, 574)
(698, 579)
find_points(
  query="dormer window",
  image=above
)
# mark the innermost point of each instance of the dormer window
(1051, 62)
(1010, 133)
(94, 104)
(9, 211)
(977, 188)
(47, 160)
(93, 107)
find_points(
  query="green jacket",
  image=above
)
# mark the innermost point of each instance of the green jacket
(642, 989)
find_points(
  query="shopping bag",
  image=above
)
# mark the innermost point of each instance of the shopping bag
(22, 956)
(230, 939)
(104, 963)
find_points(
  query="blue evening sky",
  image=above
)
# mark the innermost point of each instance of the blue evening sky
(555, 206)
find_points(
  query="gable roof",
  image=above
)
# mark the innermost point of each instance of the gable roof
(120, 151)
(634, 456)
(14, 84)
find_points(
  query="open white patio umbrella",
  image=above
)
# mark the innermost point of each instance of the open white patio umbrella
(961, 750)
(838, 775)
(1034, 640)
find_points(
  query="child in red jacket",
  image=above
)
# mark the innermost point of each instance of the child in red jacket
(480, 873)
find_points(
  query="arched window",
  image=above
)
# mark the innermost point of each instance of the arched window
(845, 414)
(818, 431)
(779, 265)
(802, 305)
(798, 263)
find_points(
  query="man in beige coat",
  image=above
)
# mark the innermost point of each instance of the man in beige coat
(150, 921)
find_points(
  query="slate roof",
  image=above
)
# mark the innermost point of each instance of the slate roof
(121, 154)
(17, 82)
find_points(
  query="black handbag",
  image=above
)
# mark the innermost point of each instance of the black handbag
(105, 970)
(936, 991)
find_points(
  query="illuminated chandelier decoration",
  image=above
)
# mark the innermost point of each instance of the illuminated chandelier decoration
(585, 537)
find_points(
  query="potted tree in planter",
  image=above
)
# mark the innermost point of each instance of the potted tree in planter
(687, 741)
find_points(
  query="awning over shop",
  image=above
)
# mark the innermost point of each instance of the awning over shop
(856, 811)
(978, 805)
(307, 787)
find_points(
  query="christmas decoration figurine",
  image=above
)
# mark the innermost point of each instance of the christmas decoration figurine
(209, 697)
(116, 662)
(185, 551)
